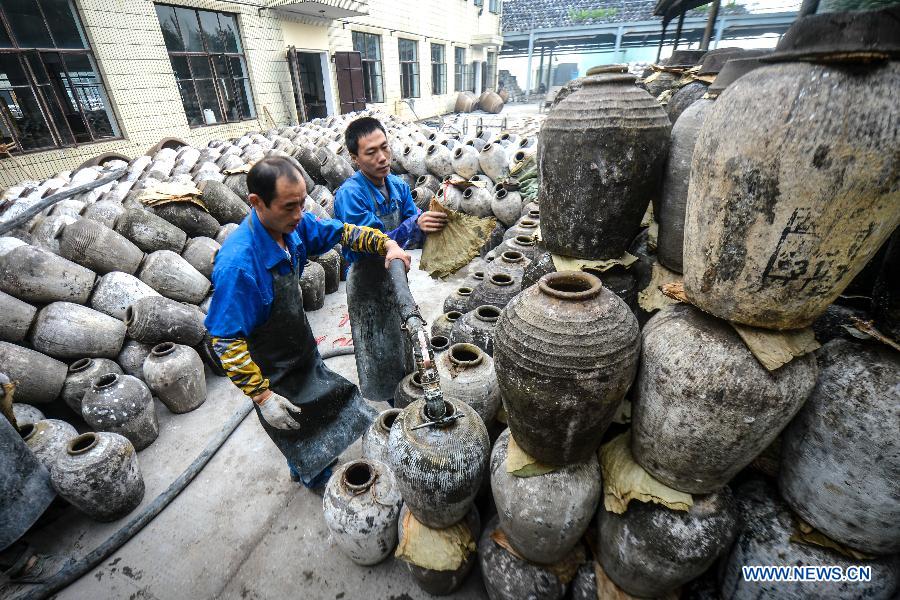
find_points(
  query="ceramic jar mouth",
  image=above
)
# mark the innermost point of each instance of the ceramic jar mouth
(478, 275)
(416, 379)
(534, 215)
(501, 279)
(422, 180)
(519, 156)
(570, 285)
(505, 136)
(469, 192)
(512, 256)
(466, 355)
(358, 476)
(439, 343)
(501, 193)
(524, 240)
(464, 291)
(82, 443)
(163, 349)
(488, 147)
(82, 364)
(458, 152)
(129, 316)
(449, 411)
(487, 313)
(453, 315)
(524, 142)
(407, 150)
(27, 431)
(105, 381)
(527, 224)
(387, 418)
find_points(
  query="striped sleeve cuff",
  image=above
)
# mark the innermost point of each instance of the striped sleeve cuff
(239, 365)
(364, 239)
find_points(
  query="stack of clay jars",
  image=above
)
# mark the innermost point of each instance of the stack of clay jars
(779, 219)
(566, 353)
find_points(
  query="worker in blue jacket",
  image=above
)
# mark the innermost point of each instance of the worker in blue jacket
(373, 197)
(260, 332)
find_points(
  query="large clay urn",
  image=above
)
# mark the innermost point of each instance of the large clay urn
(840, 457)
(705, 407)
(565, 352)
(600, 161)
(439, 468)
(785, 205)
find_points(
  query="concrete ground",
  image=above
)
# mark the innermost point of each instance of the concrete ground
(241, 529)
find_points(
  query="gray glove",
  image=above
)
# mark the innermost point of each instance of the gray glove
(278, 411)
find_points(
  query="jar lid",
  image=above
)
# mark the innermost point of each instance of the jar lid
(857, 36)
(606, 78)
(714, 60)
(733, 70)
(684, 58)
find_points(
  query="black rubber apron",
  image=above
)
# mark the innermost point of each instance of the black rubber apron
(383, 352)
(334, 413)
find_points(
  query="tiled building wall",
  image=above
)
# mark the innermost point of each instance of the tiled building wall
(448, 22)
(127, 41)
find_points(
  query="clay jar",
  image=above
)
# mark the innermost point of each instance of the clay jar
(477, 327)
(670, 241)
(200, 253)
(17, 318)
(496, 290)
(223, 203)
(511, 262)
(121, 404)
(174, 373)
(508, 577)
(601, 159)
(525, 226)
(456, 302)
(375, 439)
(765, 539)
(81, 374)
(47, 438)
(438, 160)
(99, 248)
(361, 505)
(523, 244)
(116, 291)
(467, 374)
(544, 516)
(331, 264)
(40, 378)
(312, 284)
(174, 277)
(651, 550)
(476, 201)
(841, 453)
(705, 407)
(98, 473)
(493, 161)
(36, 275)
(507, 206)
(442, 582)
(565, 351)
(783, 216)
(70, 331)
(439, 468)
(465, 161)
(156, 319)
(150, 232)
(409, 390)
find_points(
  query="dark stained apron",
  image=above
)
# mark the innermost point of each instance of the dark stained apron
(334, 414)
(383, 352)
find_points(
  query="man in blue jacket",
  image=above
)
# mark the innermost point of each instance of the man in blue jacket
(375, 198)
(259, 329)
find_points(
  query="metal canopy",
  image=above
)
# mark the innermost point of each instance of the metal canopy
(670, 9)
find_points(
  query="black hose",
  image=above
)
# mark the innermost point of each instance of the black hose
(74, 570)
(28, 213)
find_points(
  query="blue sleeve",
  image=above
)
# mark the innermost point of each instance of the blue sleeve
(237, 306)
(319, 235)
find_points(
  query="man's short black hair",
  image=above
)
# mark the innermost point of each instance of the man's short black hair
(361, 127)
(264, 175)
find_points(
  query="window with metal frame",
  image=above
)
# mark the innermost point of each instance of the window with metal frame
(479, 2)
(459, 69)
(438, 69)
(369, 47)
(494, 6)
(470, 77)
(409, 68)
(490, 71)
(209, 64)
(51, 92)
